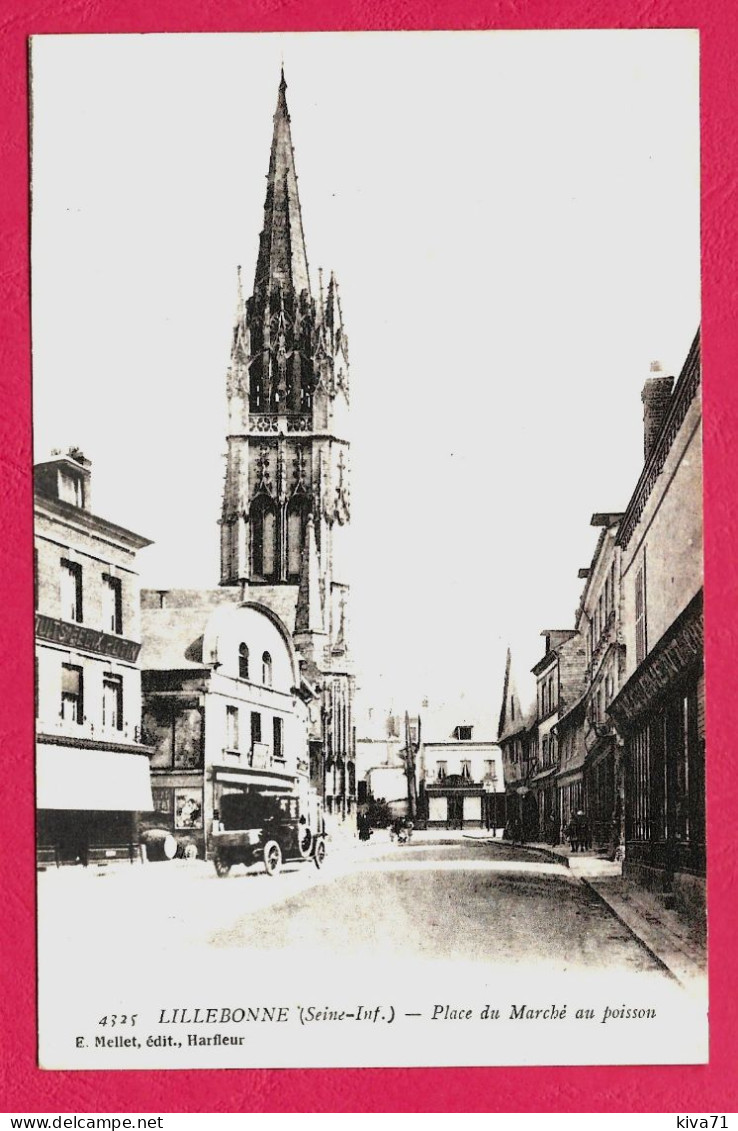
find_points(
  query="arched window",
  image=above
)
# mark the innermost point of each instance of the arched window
(266, 670)
(297, 513)
(243, 661)
(263, 539)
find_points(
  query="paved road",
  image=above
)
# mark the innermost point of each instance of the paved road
(466, 900)
(463, 900)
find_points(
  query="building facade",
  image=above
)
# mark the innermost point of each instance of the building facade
(226, 708)
(659, 710)
(459, 767)
(559, 687)
(92, 769)
(599, 622)
(286, 502)
(381, 772)
(516, 735)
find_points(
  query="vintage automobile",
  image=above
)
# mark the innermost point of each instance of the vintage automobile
(261, 828)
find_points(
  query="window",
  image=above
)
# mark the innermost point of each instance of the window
(71, 591)
(297, 512)
(463, 733)
(72, 705)
(255, 728)
(544, 749)
(232, 728)
(112, 604)
(466, 770)
(640, 613)
(263, 539)
(266, 669)
(243, 662)
(112, 702)
(489, 765)
(512, 707)
(174, 728)
(277, 745)
(441, 768)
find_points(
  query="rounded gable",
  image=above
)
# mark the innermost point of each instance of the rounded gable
(251, 638)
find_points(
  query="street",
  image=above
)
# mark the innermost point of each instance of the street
(415, 936)
(461, 899)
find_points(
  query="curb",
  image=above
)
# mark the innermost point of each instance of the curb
(547, 853)
(633, 933)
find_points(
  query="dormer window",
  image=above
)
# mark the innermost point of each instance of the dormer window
(266, 670)
(243, 661)
(463, 733)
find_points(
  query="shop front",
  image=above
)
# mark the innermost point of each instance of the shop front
(546, 793)
(455, 806)
(603, 789)
(660, 713)
(88, 799)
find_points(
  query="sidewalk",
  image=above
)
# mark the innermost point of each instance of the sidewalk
(678, 945)
(674, 942)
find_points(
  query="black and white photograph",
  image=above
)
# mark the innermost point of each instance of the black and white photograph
(368, 549)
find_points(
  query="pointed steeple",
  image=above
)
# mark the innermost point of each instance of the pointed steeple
(511, 713)
(282, 257)
(309, 613)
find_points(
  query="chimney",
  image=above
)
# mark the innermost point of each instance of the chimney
(656, 397)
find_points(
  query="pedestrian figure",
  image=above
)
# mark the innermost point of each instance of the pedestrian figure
(571, 832)
(582, 830)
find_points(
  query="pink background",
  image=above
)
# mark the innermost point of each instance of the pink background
(677, 1089)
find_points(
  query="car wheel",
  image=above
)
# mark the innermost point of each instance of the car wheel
(319, 854)
(272, 857)
(222, 866)
(305, 843)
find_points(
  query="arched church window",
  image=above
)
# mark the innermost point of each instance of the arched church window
(263, 539)
(297, 514)
(266, 669)
(243, 661)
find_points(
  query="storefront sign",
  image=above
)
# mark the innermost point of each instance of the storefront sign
(90, 639)
(657, 673)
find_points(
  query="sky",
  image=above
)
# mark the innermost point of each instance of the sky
(513, 219)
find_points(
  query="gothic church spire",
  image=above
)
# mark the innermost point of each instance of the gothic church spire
(282, 257)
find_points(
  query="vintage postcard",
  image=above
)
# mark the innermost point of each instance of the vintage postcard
(368, 549)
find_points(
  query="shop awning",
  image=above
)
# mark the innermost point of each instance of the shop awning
(105, 780)
(277, 782)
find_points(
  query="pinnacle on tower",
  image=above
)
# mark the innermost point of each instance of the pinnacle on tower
(282, 258)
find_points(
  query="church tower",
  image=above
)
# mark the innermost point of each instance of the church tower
(286, 498)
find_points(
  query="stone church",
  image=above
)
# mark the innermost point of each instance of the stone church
(285, 513)
(286, 499)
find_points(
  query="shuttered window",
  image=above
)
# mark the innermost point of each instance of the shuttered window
(640, 613)
(113, 702)
(71, 591)
(71, 694)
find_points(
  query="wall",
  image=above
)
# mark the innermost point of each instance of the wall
(670, 534)
(97, 554)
